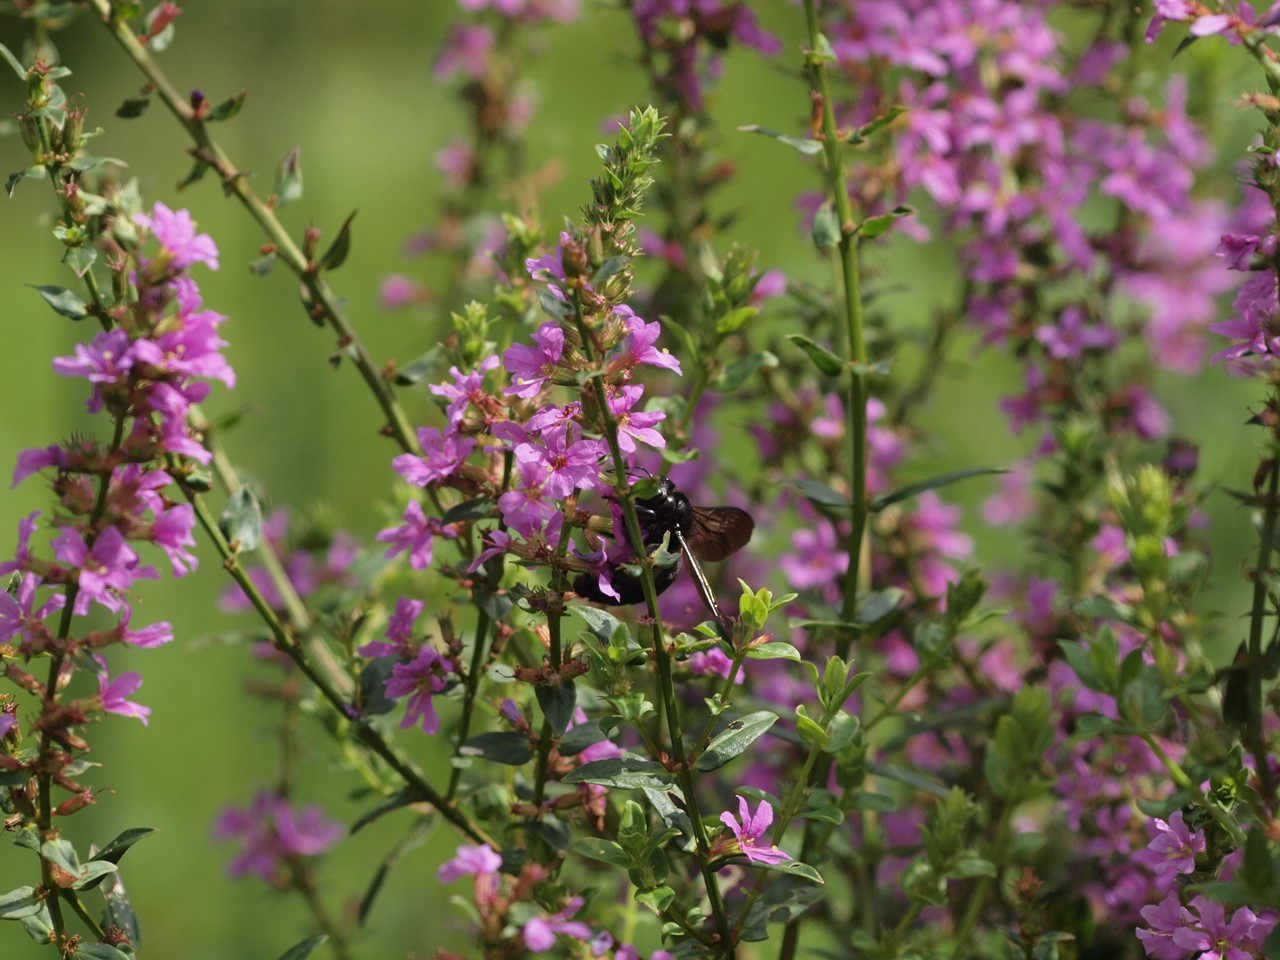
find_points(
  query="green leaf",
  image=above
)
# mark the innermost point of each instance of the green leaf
(118, 911)
(63, 301)
(85, 163)
(735, 739)
(792, 868)
(241, 520)
(606, 851)
(93, 873)
(829, 503)
(607, 269)
(579, 738)
(227, 108)
(133, 108)
(288, 186)
(602, 624)
(35, 173)
(477, 509)
(873, 227)
(299, 951)
(337, 253)
(505, 746)
(826, 227)
(803, 144)
(19, 902)
(735, 320)
(13, 62)
(399, 799)
(658, 899)
(810, 731)
(873, 607)
(80, 259)
(862, 800)
(102, 951)
(625, 773)
(61, 853)
(263, 265)
(867, 129)
(197, 173)
(1104, 608)
(828, 814)
(557, 704)
(824, 358)
(118, 847)
(774, 650)
(971, 866)
(740, 371)
(907, 492)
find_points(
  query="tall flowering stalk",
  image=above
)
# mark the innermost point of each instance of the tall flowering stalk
(157, 354)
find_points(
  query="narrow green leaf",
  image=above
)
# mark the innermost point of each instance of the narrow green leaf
(625, 773)
(879, 123)
(873, 227)
(263, 265)
(735, 320)
(94, 872)
(337, 253)
(606, 851)
(735, 739)
(873, 607)
(507, 747)
(803, 144)
(793, 868)
(18, 903)
(133, 108)
(477, 509)
(35, 173)
(63, 301)
(299, 951)
(101, 951)
(288, 186)
(227, 108)
(580, 737)
(13, 62)
(774, 650)
(737, 373)
(557, 704)
(824, 358)
(933, 483)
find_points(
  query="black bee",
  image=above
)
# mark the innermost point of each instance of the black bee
(700, 533)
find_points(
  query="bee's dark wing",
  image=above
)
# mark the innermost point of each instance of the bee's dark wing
(719, 531)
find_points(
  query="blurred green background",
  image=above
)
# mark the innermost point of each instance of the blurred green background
(351, 84)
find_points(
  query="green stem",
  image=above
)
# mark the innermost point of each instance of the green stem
(661, 655)
(855, 341)
(235, 182)
(469, 695)
(365, 732)
(1254, 734)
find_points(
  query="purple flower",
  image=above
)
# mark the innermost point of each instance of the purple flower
(638, 347)
(530, 367)
(466, 52)
(750, 830)
(466, 389)
(176, 232)
(633, 427)
(1218, 938)
(416, 535)
(442, 455)
(113, 693)
(37, 458)
(419, 680)
(19, 614)
(566, 461)
(106, 570)
(274, 832)
(1174, 847)
(1163, 919)
(479, 861)
(540, 932)
(172, 532)
(399, 630)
